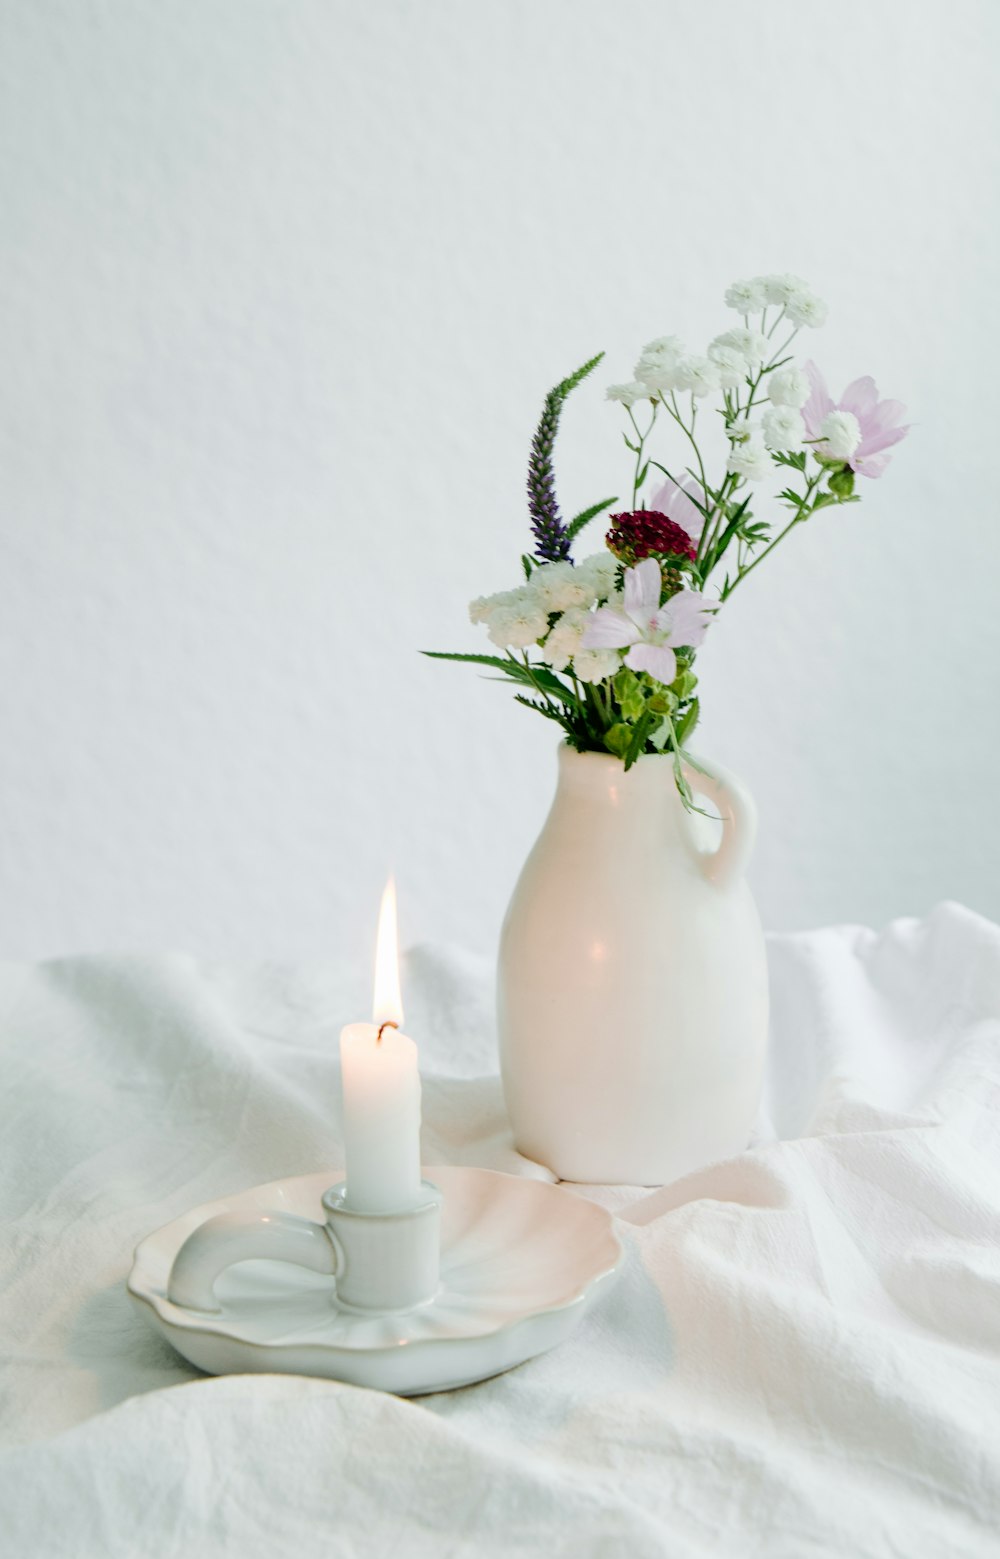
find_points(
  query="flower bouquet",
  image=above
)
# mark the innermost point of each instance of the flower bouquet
(606, 646)
(632, 977)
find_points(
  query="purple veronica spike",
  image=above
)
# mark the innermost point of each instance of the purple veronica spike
(551, 536)
(552, 539)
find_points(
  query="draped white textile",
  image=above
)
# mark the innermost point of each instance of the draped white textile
(801, 1358)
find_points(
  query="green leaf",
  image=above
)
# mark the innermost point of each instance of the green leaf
(618, 739)
(639, 734)
(510, 667)
(543, 677)
(684, 685)
(543, 709)
(628, 692)
(536, 676)
(689, 719)
(704, 507)
(642, 476)
(527, 564)
(585, 516)
(661, 736)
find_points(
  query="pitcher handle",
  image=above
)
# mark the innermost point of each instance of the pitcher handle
(227, 1238)
(736, 807)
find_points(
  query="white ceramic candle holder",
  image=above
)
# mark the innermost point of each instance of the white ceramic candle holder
(250, 1282)
(383, 1263)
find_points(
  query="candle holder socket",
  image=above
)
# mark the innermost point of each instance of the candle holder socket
(386, 1262)
(383, 1263)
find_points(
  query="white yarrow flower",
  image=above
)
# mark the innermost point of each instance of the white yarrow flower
(750, 460)
(841, 435)
(628, 394)
(559, 586)
(596, 665)
(565, 638)
(485, 607)
(746, 297)
(788, 387)
(601, 569)
(784, 428)
(518, 618)
(697, 374)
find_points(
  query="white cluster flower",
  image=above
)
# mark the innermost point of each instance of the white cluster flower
(601, 571)
(731, 365)
(628, 394)
(784, 428)
(658, 363)
(558, 586)
(516, 619)
(788, 387)
(795, 296)
(750, 460)
(841, 435)
(741, 429)
(513, 618)
(750, 344)
(700, 375)
(596, 665)
(800, 303)
(665, 346)
(782, 288)
(565, 639)
(806, 309)
(746, 297)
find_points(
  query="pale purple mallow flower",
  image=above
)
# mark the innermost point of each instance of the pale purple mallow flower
(679, 502)
(878, 421)
(650, 631)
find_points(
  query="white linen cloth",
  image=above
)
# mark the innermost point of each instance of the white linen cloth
(801, 1358)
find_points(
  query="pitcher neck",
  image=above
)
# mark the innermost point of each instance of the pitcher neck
(601, 783)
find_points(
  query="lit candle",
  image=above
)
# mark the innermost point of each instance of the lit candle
(381, 1090)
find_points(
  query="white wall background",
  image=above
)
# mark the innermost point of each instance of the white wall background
(285, 284)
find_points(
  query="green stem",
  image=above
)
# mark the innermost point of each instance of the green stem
(543, 695)
(713, 533)
(642, 437)
(803, 514)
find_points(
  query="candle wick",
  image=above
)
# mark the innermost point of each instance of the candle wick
(389, 1024)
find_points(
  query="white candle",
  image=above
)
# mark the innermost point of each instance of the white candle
(381, 1090)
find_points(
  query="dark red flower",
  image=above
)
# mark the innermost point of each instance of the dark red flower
(648, 533)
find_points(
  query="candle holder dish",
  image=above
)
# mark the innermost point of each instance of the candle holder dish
(249, 1283)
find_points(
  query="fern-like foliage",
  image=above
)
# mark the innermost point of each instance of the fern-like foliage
(552, 538)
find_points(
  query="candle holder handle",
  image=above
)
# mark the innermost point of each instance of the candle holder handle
(229, 1238)
(382, 1263)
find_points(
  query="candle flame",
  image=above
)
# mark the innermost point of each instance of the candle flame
(387, 1006)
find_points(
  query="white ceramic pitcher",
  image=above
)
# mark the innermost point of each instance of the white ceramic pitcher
(632, 995)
